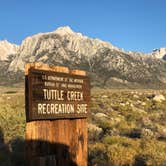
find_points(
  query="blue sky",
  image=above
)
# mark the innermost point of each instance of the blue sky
(136, 25)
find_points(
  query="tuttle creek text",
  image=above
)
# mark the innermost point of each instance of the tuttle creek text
(61, 95)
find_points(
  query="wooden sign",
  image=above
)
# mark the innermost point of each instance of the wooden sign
(56, 95)
(62, 95)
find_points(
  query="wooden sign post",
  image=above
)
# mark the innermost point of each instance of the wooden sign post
(57, 106)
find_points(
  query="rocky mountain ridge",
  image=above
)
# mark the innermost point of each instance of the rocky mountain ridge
(106, 64)
(7, 49)
(39, 45)
(159, 53)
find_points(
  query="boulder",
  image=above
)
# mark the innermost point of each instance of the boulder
(159, 98)
(93, 127)
(100, 115)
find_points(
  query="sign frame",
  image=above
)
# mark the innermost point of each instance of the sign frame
(37, 78)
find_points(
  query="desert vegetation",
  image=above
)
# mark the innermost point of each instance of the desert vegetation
(12, 127)
(125, 128)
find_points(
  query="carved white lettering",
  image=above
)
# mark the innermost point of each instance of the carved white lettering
(74, 96)
(52, 94)
(82, 108)
(55, 108)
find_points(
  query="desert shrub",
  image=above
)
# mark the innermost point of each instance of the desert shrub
(120, 155)
(98, 162)
(94, 133)
(134, 133)
(12, 122)
(161, 131)
(133, 116)
(12, 116)
(105, 125)
(114, 140)
(122, 141)
(140, 160)
(153, 152)
(124, 127)
(107, 140)
(147, 134)
(97, 155)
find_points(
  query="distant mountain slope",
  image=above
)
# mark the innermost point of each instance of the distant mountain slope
(107, 65)
(7, 49)
(159, 53)
(55, 45)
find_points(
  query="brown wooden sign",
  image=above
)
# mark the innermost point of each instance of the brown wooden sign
(55, 95)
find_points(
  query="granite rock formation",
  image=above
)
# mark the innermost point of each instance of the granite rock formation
(107, 65)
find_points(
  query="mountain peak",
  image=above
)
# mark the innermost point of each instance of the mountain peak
(64, 30)
(7, 43)
(4, 42)
(102, 60)
(7, 48)
(159, 53)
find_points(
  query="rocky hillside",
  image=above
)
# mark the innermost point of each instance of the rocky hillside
(159, 53)
(107, 65)
(7, 49)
